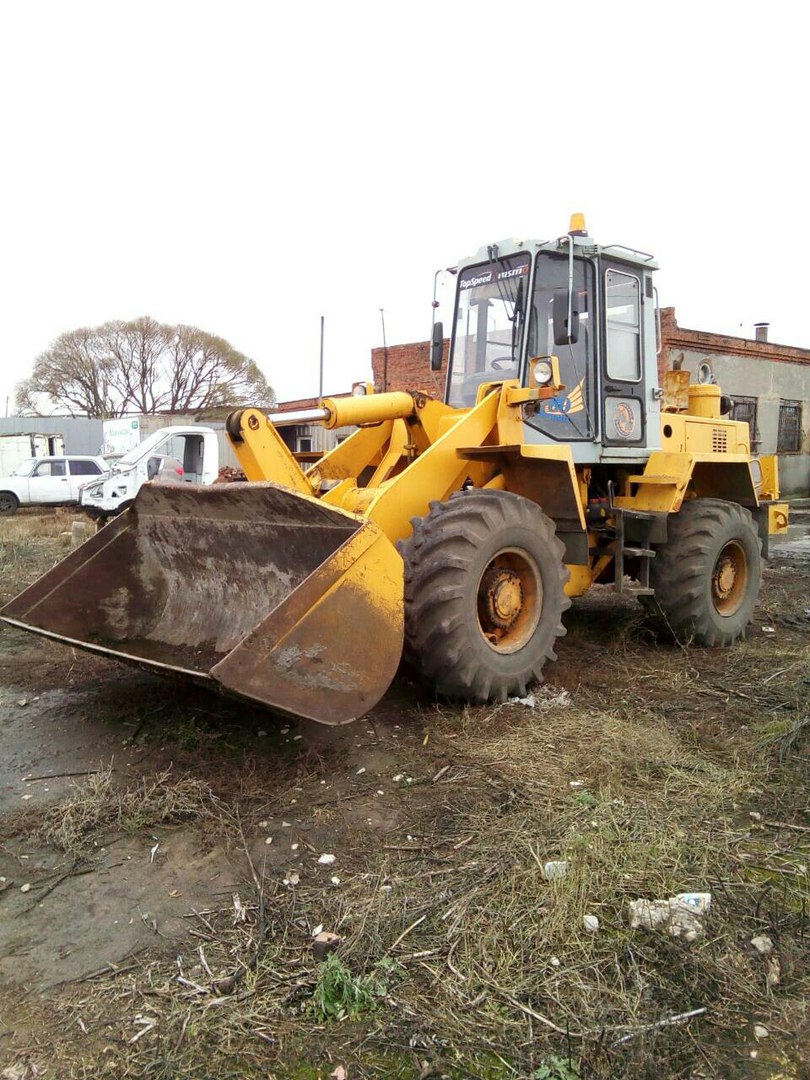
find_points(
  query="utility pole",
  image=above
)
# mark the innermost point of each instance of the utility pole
(320, 378)
(385, 353)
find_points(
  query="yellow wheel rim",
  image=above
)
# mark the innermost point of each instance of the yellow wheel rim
(509, 600)
(729, 578)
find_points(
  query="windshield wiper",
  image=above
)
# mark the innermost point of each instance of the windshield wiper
(515, 319)
(503, 289)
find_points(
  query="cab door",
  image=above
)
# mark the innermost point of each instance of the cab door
(571, 416)
(623, 403)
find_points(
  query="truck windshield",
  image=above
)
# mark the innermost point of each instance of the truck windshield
(142, 449)
(488, 326)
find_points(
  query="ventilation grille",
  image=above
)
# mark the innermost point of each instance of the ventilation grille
(719, 440)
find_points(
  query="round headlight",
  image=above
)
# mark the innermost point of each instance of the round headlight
(543, 372)
(359, 390)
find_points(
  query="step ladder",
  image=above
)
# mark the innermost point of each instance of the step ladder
(639, 548)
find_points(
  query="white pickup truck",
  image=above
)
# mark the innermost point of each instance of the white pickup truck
(48, 481)
(186, 455)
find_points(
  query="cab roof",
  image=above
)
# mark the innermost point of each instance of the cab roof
(583, 245)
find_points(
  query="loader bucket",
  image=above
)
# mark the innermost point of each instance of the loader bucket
(270, 595)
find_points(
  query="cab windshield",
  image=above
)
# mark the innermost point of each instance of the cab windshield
(488, 326)
(141, 450)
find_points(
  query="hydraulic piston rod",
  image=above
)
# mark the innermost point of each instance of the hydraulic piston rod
(350, 411)
(298, 416)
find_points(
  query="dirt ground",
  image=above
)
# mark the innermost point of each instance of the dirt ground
(163, 863)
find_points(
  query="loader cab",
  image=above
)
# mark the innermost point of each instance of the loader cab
(513, 302)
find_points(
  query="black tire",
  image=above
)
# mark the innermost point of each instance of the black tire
(706, 576)
(9, 503)
(484, 595)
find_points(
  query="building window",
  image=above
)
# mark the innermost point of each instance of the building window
(303, 444)
(790, 427)
(744, 409)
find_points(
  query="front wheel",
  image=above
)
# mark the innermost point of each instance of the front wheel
(9, 503)
(706, 576)
(484, 594)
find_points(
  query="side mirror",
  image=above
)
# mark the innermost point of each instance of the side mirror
(563, 333)
(437, 347)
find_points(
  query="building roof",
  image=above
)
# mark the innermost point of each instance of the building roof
(678, 337)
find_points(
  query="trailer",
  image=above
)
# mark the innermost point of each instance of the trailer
(15, 449)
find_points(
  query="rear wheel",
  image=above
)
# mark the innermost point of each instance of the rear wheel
(484, 594)
(8, 503)
(706, 577)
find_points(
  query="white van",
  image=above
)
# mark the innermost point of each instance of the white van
(186, 455)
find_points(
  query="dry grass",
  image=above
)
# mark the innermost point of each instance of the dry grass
(464, 957)
(459, 958)
(29, 524)
(98, 806)
(31, 543)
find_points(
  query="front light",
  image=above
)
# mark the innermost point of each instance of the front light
(359, 389)
(543, 372)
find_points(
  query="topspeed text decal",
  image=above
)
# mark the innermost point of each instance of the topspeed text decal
(486, 277)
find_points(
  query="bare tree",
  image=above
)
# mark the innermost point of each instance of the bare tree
(141, 366)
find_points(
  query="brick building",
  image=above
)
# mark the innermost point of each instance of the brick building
(407, 367)
(769, 385)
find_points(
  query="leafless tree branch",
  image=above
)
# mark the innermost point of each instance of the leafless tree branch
(141, 366)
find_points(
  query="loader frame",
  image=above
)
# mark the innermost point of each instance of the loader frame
(410, 450)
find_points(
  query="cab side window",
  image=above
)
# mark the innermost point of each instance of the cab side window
(622, 301)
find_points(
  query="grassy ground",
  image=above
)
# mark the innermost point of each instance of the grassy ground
(650, 769)
(32, 542)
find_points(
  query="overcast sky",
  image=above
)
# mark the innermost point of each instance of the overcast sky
(248, 167)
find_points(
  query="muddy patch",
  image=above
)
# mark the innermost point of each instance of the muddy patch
(82, 916)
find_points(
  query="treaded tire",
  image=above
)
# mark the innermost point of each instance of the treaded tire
(9, 503)
(447, 638)
(706, 576)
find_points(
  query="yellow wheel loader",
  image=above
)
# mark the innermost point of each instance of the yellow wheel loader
(457, 531)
